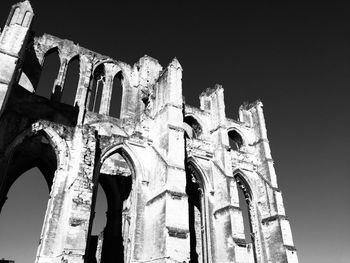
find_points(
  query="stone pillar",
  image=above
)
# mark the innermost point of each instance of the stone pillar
(227, 235)
(275, 227)
(262, 144)
(53, 232)
(170, 197)
(59, 82)
(13, 41)
(79, 194)
(139, 90)
(105, 105)
(81, 98)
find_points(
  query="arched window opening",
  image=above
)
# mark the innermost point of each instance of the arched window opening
(192, 127)
(26, 19)
(116, 98)
(235, 140)
(245, 203)
(113, 243)
(15, 16)
(48, 74)
(71, 81)
(99, 79)
(197, 217)
(24, 196)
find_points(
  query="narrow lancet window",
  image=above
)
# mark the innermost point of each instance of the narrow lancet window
(48, 74)
(192, 127)
(246, 204)
(235, 140)
(98, 83)
(112, 243)
(116, 98)
(197, 216)
(71, 81)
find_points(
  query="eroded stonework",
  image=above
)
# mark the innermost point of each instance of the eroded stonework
(171, 172)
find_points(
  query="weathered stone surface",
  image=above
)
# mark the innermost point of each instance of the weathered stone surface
(171, 172)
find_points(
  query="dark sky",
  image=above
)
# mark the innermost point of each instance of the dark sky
(294, 56)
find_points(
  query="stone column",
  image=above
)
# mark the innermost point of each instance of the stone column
(107, 89)
(81, 98)
(79, 194)
(59, 82)
(226, 229)
(276, 233)
(168, 206)
(52, 234)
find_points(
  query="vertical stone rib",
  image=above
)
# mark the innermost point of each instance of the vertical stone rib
(107, 89)
(59, 82)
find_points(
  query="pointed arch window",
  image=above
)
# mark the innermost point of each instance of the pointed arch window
(235, 140)
(48, 73)
(98, 82)
(197, 206)
(113, 242)
(15, 16)
(192, 127)
(71, 81)
(117, 94)
(249, 215)
(26, 19)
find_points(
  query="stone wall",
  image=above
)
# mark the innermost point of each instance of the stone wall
(171, 172)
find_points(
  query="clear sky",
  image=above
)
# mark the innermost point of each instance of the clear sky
(294, 56)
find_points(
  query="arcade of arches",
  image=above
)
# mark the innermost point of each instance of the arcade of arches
(181, 183)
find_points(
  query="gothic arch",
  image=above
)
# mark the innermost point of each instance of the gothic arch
(117, 94)
(198, 189)
(101, 62)
(47, 51)
(117, 198)
(194, 124)
(74, 57)
(58, 144)
(236, 138)
(129, 156)
(207, 183)
(105, 61)
(253, 215)
(50, 66)
(26, 19)
(15, 15)
(122, 69)
(45, 137)
(98, 78)
(71, 81)
(238, 173)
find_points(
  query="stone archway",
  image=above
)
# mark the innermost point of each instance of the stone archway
(116, 175)
(26, 153)
(32, 151)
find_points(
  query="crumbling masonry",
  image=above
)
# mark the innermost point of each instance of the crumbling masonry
(172, 173)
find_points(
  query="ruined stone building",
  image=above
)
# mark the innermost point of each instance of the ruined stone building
(176, 177)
